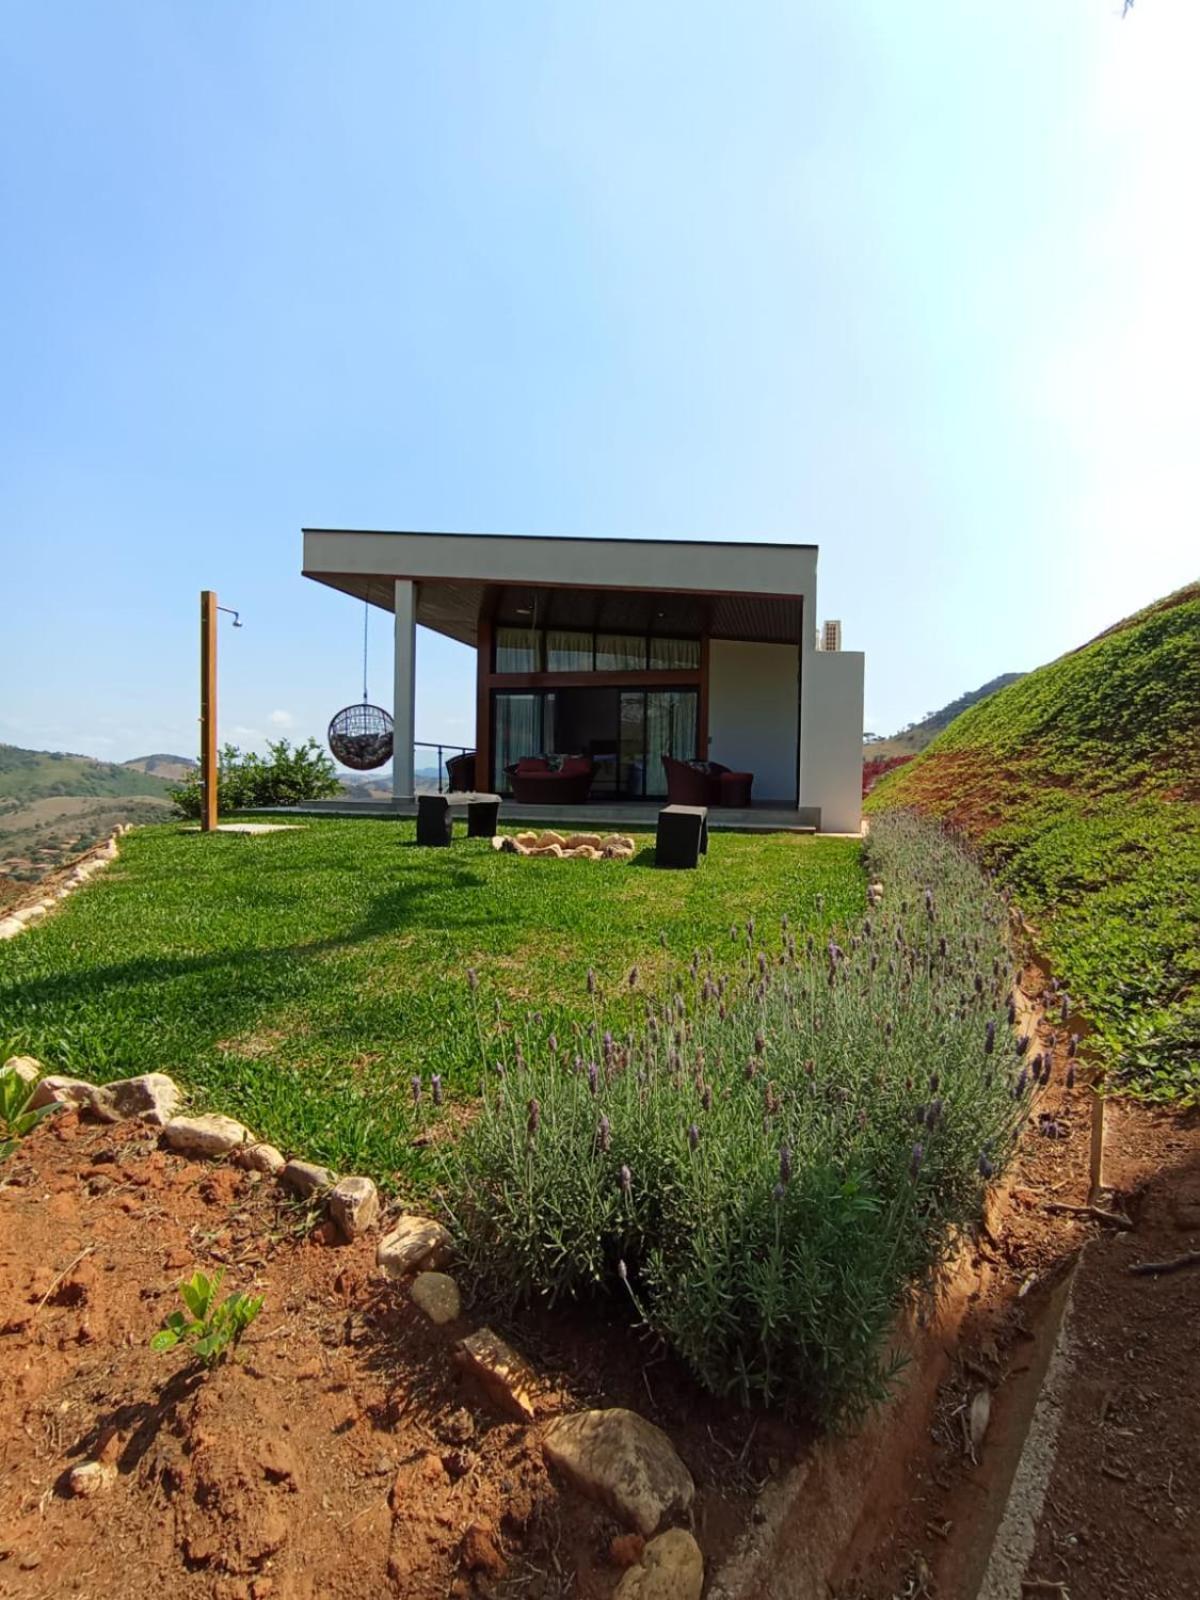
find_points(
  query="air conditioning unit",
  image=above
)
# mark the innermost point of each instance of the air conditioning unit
(831, 636)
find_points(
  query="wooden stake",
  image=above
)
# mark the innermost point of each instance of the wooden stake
(208, 710)
(1097, 1159)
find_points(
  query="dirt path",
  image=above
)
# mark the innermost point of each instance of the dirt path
(1122, 1506)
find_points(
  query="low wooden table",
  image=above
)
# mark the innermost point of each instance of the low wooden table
(682, 836)
(435, 821)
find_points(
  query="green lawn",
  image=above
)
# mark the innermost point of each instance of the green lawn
(301, 979)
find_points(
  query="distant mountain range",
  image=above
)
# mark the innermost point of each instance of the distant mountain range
(173, 768)
(54, 804)
(918, 734)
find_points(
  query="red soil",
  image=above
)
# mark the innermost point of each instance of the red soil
(342, 1454)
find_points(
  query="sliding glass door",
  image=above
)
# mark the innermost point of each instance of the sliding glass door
(630, 730)
(655, 723)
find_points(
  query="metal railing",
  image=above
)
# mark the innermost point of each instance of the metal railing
(443, 777)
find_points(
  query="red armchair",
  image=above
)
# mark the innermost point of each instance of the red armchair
(535, 782)
(706, 783)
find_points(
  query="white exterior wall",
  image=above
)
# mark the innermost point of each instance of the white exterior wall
(753, 705)
(831, 751)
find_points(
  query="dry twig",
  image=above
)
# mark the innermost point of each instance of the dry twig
(1114, 1219)
(1190, 1258)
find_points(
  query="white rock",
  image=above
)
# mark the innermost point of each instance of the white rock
(260, 1158)
(92, 1477)
(27, 1068)
(210, 1135)
(672, 1568)
(10, 927)
(620, 1459)
(413, 1242)
(436, 1294)
(354, 1206)
(56, 1091)
(153, 1095)
(305, 1178)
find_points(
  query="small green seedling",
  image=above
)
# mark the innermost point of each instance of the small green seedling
(215, 1330)
(17, 1118)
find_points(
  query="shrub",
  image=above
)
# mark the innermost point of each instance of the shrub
(780, 1154)
(286, 775)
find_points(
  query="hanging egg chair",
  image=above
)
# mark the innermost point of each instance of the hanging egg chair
(361, 736)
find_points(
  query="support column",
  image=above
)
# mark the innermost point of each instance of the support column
(404, 691)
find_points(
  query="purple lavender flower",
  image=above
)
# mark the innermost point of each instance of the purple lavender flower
(1012, 1013)
(985, 1166)
(750, 1070)
(785, 1164)
(934, 1083)
(693, 1135)
(1022, 1044)
(989, 1038)
(1022, 1083)
(1073, 1046)
(552, 1041)
(415, 1083)
(706, 1097)
(633, 977)
(435, 1084)
(591, 981)
(626, 1182)
(918, 1155)
(760, 1043)
(778, 1193)
(942, 947)
(472, 979)
(535, 1117)
(604, 1134)
(593, 1076)
(749, 927)
(1071, 1076)
(934, 1114)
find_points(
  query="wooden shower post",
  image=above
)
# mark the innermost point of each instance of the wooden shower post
(208, 710)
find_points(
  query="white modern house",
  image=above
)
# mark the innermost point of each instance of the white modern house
(618, 653)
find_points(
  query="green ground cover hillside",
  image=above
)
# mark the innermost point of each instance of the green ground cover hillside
(1080, 784)
(302, 979)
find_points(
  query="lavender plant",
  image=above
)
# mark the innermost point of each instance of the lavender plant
(782, 1152)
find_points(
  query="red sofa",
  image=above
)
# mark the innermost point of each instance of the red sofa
(536, 782)
(706, 783)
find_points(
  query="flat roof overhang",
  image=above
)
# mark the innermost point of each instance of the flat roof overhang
(728, 590)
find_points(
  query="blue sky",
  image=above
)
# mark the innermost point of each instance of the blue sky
(917, 283)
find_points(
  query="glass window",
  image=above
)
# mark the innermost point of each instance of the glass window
(674, 653)
(620, 652)
(518, 650)
(568, 652)
(518, 721)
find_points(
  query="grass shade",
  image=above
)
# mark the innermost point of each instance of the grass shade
(300, 980)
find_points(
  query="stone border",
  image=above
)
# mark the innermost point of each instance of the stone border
(84, 867)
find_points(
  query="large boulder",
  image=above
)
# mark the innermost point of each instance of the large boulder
(210, 1135)
(623, 1461)
(671, 1568)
